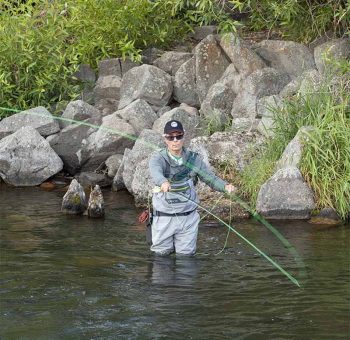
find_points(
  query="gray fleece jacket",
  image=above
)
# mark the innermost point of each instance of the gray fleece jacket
(158, 167)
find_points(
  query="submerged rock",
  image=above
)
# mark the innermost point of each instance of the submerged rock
(327, 216)
(96, 208)
(74, 201)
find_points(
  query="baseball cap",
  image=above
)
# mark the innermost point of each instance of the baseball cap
(173, 126)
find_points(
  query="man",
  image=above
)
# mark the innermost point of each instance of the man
(174, 171)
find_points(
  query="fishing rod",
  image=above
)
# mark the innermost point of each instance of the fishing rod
(254, 214)
(274, 263)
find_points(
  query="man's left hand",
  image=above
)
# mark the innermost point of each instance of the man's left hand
(229, 188)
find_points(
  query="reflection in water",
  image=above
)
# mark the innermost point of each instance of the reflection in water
(67, 277)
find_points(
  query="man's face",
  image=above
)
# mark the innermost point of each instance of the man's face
(172, 141)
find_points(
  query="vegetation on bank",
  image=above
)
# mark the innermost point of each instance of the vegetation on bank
(43, 42)
(325, 160)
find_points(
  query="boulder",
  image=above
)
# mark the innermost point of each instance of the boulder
(85, 74)
(107, 87)
(139, 115)
(96, 206)
(38, 118)
(336, 50)
(211, 64)
(77, 111)
(286, 56)
(112, 164)
(327, 216)
(261, 83)
(311, 81)
(285, 196)
(148, 141)
(146, 82)
(232, 79)
(26, 158)
(149, 55)
(68, 142)
(171, 61)
(217, 105)
(115, 67)
(244, 59)
(89, 179)
(74, 200)
(245, 124)
(107, 106)
(118, 182)
(201, 32)
(189, 121)
(266, 108)
(185, 90)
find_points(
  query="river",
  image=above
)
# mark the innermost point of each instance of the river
(68, 277)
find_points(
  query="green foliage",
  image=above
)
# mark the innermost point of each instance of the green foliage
(212, 124)
(302, 20)
(43, 42)
(326, 156)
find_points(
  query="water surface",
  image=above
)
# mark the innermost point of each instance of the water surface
(65, 277)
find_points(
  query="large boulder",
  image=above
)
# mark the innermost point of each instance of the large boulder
(211, 63)
(146, 82)
(286, 56)
(77, 111)
(113, 136)
(26, 158)
(107, 87)
(217, 105)
(185, 90)
(38, 118)
(232, 78)
(337, 49)
(139, 115)
(137, 159)
(285, 196)
(171, 61)
(261, 83)
(244, 59)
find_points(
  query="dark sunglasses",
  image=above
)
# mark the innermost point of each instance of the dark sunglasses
(172, 138)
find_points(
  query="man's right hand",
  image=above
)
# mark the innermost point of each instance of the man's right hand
(165, 187)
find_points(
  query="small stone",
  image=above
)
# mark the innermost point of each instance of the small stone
(74, 201)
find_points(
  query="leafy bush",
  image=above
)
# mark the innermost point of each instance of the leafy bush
(326, 156)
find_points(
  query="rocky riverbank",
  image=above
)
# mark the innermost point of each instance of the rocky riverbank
(107, 136)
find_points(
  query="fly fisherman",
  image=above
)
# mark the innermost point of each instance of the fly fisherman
(174, 171)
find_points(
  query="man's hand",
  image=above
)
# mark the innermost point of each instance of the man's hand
(165, 186)
(229, 188)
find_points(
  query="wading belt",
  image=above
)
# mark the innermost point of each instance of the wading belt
(159, 213)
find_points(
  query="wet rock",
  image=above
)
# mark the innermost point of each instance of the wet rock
(285, 196)
(146, 82)
(26, 158)
(211, 64)
(74, 201)
(96, 207)
(327, 216)
(38, 118)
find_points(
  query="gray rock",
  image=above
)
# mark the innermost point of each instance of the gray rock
(38, 118)
(311, 82)
(185, 90)
(266, 108)
(146, 82)
(260, 83)
(96, 205)
(118, 182)
(85, 74)
(107, 106)
(202, 32)
(148, 141)
(74, 200)
(189, 121)
(79, 110)
(286, 56)
(244, 59)
(149, 55)
(110, 67)
(113, 163)
(232, 78)
(291, 156)
(90, 179)
(68, 143)
(327, 216)
(139, 115)
(285, 196)
(211, 64)
(292, 88)
(217, 105)
(171, 61)
(337, 49)
(107, 87)
(26, 158)
(245, 124)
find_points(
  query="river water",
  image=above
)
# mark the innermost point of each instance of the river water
(65, 277)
